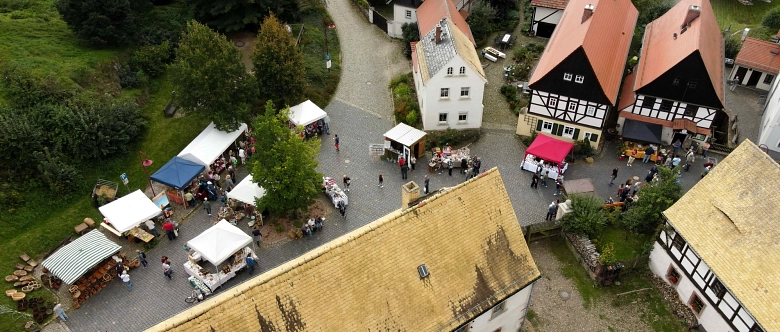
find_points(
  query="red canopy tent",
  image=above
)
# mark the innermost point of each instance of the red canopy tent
(549, 149)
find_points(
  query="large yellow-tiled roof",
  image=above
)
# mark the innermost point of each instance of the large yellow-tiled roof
(367, 280)
(730, 218)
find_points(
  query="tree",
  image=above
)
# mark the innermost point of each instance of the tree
(103, 23)
(772, 19)
(209, 77)
(481, 20)
(284, 164)
(644, 215)
(587, 216)
(279, 67)
(410, 33)
(235, 15)
(732, 47)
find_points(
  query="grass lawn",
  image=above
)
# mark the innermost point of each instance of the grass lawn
(322, 83)
(733, 13)
(627, 245)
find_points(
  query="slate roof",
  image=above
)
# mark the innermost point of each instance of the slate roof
(732, 225)
(759, 54)
(555, 4)
(367, 280)
(605, 37)
(432, 57)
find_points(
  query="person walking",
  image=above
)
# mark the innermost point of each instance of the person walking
(168, 227)
(412, 161)
(404, 169)
(336, 138)
(257, 235)
(167, 271)
(381, 181)
(544, 178)
(229, 185)
(142, 257)
(631, 158)
(648, 153)
(464, 165)
(676, 161)
(207, 206)
(558, 187)
(450, 164)
(326, 125)
(343, 209)
(637, 185)
(126, 279)
(551, 210)
(477, 165)
(250, 263)
(614, 175)
(150, 225)
(242, 155)
(427, 180)
(676, 146)
(535, 181)
(690, 158)
(60, 312)
(346, 180)
(232, 173)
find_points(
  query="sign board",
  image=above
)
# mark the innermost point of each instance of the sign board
(376, 149)
(327, 64)
(124, 178)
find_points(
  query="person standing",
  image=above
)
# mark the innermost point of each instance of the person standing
(614, 175)
(167, 271)
(257, 235)
(119, 269)
(676, 161)
(464, 165)
(401, 161)
(450, 164)
(636, 188)
(404, 169)
(427, 180)
(649, 176)
(704, 148)
(544, 178)
(250, 263)
(207, 206)
(551, 210)
(126, 279)
(558, 186)
(535, 181)
(190, 199)
(242, 155)
(620, 190)
(381, 181)
(229, 185)
(412, 161)
(648, 153)
(168, 227)
(232, 173)
(346, 180)
(336, 138)
(631, 158)
(690, 158)
(342, 209)
(477, 165)
(60, 312)
(150, 225)
(142, 257)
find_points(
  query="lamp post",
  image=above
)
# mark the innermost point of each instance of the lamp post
(146, 162)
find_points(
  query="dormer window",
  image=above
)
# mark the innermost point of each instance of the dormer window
(449, 70)
(579, 79)
(567, 76)
(462, 71)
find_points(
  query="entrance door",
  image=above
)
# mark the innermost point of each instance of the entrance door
(740, 74)
(754, 78)
(679, 136)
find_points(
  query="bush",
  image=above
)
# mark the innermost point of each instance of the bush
(644, 216)
(583, 149)
(587, 216)
(23, 88)
(411, 33)
(151, 59)
(103, 23)
(732, 47)
(772, 19)
(405, 99)
(451, 137)
(59, 176)
(527, 140)
(607, 256)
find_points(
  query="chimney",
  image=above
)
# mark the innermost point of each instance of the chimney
(587, 13)
(693, 13)
(438, 33)
(410, 192)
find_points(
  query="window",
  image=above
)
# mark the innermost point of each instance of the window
(590, 111)
(666, 105)
(572, 106)
(464, 92)
(676, 81)
(718, 288)
(442, 117)
(692, 84)
(408, 14)
(567, 76)
(498, 309)
(462, 71)
(552, 102)
(696, 303)
(768, 79)
(547, 127)
(568, 132)
(672, 275)
(648, 102)
(462, 117)
(690, 110)
(449, 70)
(591, 137)
(678, 242)
(579, 79)
(445, 92)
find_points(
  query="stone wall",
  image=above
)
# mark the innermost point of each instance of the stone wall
(586, 251)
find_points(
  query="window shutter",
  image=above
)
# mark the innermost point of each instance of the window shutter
(539, 125)
(576, 134)
(555, 128)
(594, 137)
(560, 130)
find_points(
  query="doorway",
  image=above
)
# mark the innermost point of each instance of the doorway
(741, 71)
(754, 77)
(679, 136)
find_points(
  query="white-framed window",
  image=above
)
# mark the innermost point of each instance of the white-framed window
(445, 93)
(696, 304)
(547, 127)
(572, 106)
(462, 71)
(590, 111)
(498, 309)
(568, 132)
(449, 70)
(442, 117)
(579, 79)
(768, 78)
(408, 14)
(464, 92)
(552, 102)
(567, 76)
(462, 117)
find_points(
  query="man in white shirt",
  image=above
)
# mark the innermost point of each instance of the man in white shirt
(126, 279)
(150, 225)
(242, 155)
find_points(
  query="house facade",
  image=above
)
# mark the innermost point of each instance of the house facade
(404, 11)
(678, 93)
(448, 76)
(398, 273)
(575, 84)
(757, 64)
(719, 245)
(769, 133)
(545, 15)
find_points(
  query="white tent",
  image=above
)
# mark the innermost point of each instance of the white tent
(220, 241)
(306, 113)
(129, 211)
(405, 134)
(210, 144)
(247, 191)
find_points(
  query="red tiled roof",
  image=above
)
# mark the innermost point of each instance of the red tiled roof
(432, 11)
(661, 51)
(627, 95)
(759, 54)
(556, 4)
(605, 37)
(671, 124)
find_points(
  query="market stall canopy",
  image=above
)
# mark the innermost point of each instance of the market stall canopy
(247, 191)
(306, 113)
(217, 243)
(177, 173)
(210, 144)
(405, 134)
(642, 131)
(549, 148)
(129, 211)
(70, 262)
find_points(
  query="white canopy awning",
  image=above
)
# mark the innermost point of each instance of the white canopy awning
(306, 113)
(210, 144)
(247, 191)
(70, 262)
(217, 243)
(405, 134)
(129, 211)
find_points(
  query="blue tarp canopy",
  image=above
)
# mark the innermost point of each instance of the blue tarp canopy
(177, 173)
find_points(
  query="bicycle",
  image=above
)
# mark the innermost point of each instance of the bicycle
(196, 295)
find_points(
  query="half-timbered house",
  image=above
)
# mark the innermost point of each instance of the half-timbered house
(545, 15)
(718, 247)
(757, 64)
(575, 84)
(677, 87)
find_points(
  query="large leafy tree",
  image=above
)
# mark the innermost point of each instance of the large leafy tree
(284, 164)
(209, 77)
(234, 15)
(102, 22)
(644, 215)
(278, 64)
(481, 20)
(411, 33)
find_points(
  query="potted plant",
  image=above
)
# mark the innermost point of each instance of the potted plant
(621, 149)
